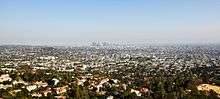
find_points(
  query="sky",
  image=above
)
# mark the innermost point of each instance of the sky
(64, 22)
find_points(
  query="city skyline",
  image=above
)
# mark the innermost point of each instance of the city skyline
(65, 22)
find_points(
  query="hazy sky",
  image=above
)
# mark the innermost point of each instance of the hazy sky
(66, 21)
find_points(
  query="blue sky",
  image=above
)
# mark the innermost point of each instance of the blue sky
(65, 21)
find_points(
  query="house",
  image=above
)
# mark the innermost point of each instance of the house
(136, 92)
(4, 86)
(60, 97)
(110, 97)
(36, 95)
(5, 77)
(19, 82)
(31, 87)
(60, 90)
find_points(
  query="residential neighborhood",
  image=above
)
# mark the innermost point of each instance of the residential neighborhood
(109, 72)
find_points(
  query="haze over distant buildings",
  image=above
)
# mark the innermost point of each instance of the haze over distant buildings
(47, 22)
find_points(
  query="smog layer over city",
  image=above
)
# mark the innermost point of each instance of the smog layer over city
(109, 49)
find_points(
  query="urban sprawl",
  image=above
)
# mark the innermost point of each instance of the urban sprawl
(105, 71)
